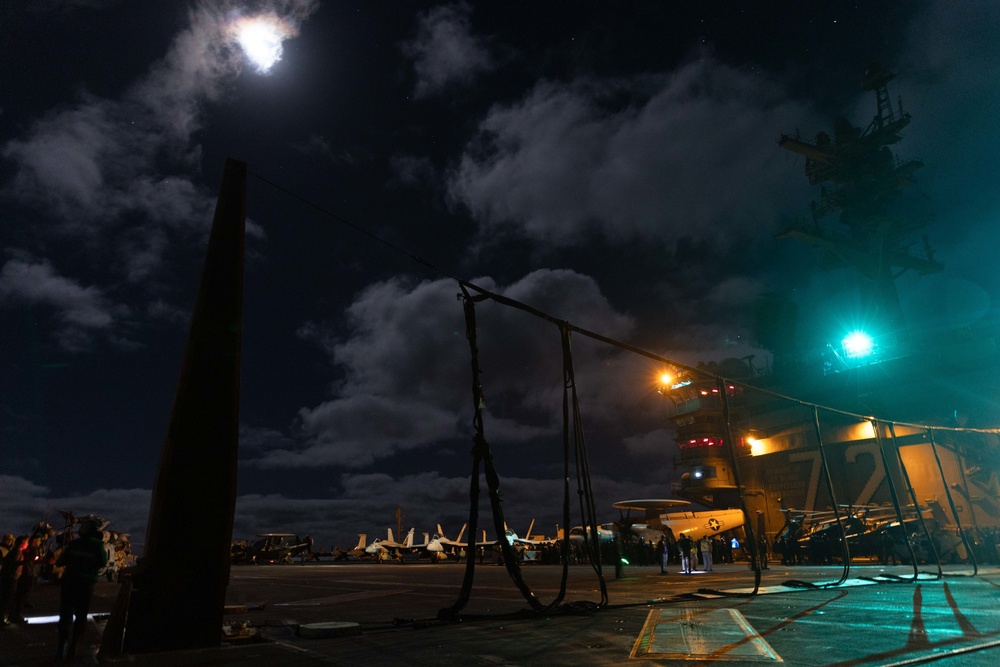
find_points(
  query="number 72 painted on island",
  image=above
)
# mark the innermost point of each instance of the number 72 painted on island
(851, 454)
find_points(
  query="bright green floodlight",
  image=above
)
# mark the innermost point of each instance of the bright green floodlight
(858, 345)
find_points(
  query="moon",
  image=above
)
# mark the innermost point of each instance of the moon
(260, 38)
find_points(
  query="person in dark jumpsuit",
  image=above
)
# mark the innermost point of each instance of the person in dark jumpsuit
(83, 559)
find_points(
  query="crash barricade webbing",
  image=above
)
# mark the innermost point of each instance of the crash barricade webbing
(482, 455)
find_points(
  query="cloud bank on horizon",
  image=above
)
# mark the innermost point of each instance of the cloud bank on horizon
(564, 162)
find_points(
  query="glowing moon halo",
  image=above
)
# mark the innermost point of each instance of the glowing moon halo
(260, 37)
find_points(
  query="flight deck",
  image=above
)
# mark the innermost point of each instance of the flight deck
(360, 613)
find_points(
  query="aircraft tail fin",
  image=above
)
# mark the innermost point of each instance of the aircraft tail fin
(362, 541)
(937, 512)
(440, 532)
(461, 532)
(409, 538)
(390, 536)
(527, 535)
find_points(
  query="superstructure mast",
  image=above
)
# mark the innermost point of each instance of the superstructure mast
(860, 182)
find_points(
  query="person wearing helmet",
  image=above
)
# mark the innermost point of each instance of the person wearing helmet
(83, 559)
(31, 567)
(6, 545)
(10, 572)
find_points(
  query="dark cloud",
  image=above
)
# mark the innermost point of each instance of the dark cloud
(69, 5)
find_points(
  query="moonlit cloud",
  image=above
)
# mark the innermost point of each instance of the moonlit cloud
(445, 52)
(118, 178)
(24, 503)
(80, 311)
(692, 155)
(405, 363)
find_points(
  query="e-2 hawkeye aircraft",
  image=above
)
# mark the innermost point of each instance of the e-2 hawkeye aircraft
(659, 521)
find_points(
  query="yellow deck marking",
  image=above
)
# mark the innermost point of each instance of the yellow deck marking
(700, 634)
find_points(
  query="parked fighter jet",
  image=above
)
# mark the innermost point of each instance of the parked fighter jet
(273, 548)
(389, 546)
(605, 532)
(440, 547)
(527, 540)
(341, 555)
(872, 531)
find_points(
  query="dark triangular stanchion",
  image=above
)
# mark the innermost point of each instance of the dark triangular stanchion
(179, 589)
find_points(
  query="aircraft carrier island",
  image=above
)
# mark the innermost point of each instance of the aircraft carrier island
(885, 434)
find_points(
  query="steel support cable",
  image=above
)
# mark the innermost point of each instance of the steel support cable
(722, 385)
(954, 509)
(845, 549)
(916, 501)
(482, 454)
(833, 501)
(591, 537)
(506, 548)
(585, 489)
(478, 448)
(564, 543)
(595, 534)
(877, 428)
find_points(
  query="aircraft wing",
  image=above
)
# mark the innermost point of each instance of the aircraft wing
(651, 504)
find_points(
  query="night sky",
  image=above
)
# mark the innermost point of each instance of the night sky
(614, 164)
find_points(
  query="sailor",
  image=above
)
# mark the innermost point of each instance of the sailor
(83, 559)
(31, 567)
(686, 545)
(10, 572)
(705, 546)
(762, 551)
(664, 551)
(6, 545)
